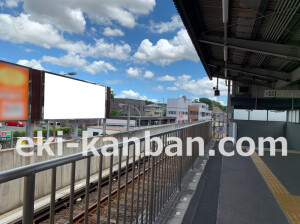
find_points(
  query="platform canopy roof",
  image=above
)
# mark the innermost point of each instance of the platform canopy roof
(250, 41)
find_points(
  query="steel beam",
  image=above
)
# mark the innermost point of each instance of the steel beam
(295, 76)
(264, 73)
(245, 81)
(288, 52)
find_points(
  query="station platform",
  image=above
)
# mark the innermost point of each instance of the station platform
(247, 190)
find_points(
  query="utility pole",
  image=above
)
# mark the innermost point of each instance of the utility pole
(53, 127)
(76, 129)
(128, 117)
(104, 127)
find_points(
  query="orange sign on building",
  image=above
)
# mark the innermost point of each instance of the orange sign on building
(14, 90)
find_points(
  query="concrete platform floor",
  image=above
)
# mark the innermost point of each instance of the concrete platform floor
(239, 190)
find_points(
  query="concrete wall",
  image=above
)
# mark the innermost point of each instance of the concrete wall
(275, 129)
(293, 136)
(11, 193)
(256, 129)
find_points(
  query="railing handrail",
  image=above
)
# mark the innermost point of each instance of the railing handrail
(19, 172)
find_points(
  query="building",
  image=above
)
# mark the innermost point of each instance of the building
(203, 108)
(139, 104)
(193, 113)
(208, 115)
(178, 108)
(148, 121)
(217, 110)
(185, 110)
(154, 110)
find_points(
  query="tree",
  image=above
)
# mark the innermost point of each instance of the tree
(112, 94)
(211, 103)
(113, 113)
(116, 113)
(147, 102)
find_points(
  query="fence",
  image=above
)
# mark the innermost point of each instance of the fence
(157, 178)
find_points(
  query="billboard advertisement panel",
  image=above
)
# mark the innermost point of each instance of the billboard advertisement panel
(67, 98)
(14, 92)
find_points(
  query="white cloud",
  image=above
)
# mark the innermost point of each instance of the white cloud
(69, 19)
(103, 49)
(69, 60)
(158, 88)
(153, 100)
(166, 78)
(22, 29)
(69, 14)
(32, 64)
(148, 75)
(165, 52)
(131, 95)
(113, 32)
(198, 87)
(73, 60)
(12, 3)
(99, 66)
(164, 27)
(134, 72)
(172, 88)
(93, 29)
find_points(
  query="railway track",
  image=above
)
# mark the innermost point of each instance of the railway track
(123, 196)
(138, 187)
(42, 216)
(104, 201)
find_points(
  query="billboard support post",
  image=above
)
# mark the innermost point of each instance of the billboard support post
(104, 127)
(48, 129)
(29, 128)
(76, 129)
(12, 139)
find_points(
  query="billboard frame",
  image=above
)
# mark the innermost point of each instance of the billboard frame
(68, 77)
(29, 88)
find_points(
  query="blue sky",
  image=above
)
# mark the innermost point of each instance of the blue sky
(140, 48)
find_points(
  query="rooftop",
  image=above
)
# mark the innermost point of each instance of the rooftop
(258, 45)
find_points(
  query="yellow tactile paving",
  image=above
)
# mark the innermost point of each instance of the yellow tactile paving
(279, 150)
(289, 203)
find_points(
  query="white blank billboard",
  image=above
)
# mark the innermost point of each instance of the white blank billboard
(66, 98)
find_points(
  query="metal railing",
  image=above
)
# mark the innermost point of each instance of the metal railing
(149, 182)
